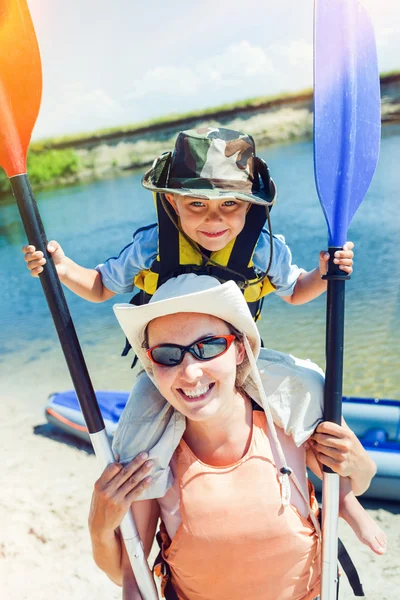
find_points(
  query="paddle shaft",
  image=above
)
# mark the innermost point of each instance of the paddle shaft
(77, 367)
(57, 304)
(335, 307)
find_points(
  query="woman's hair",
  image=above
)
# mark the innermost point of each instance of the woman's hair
(241, 370)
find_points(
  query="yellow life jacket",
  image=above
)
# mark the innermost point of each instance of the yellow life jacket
(176, 255)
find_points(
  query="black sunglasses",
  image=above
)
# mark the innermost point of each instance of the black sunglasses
(170, 355)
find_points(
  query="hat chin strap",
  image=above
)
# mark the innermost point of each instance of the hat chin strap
(285, 470)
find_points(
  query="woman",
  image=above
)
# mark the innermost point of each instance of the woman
(240, 520)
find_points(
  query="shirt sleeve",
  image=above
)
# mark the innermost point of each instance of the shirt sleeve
(118, 272)
(283, 274)
(294, 391)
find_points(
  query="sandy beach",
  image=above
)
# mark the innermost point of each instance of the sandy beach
(47, 479)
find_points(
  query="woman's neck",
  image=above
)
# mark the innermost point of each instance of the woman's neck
(225, 438)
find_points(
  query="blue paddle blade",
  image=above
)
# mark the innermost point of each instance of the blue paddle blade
(347, 120)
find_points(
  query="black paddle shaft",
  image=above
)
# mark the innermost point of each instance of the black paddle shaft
(58, 305)
(333, 390)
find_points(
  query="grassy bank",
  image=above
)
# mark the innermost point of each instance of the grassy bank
(47, 167)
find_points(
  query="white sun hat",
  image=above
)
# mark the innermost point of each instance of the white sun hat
(189, 293)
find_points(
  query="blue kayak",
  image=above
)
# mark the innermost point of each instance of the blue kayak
(376, 422)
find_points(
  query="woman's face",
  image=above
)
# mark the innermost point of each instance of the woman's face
(197, 389)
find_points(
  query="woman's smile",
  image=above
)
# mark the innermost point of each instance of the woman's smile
(197, 394)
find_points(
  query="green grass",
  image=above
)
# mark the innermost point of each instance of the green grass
(45, 167)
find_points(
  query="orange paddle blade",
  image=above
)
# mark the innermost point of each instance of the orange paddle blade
(20, 84)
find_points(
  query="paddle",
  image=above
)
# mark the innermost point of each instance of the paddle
(20, 95)
(346, 147)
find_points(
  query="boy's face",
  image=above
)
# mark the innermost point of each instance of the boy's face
(210, 223)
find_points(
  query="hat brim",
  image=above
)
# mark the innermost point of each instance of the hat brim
(224, 301)
(212, 193)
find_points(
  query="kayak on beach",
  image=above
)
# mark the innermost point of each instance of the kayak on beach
(376, 422)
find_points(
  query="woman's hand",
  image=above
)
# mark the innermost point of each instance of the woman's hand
(114, 492)
(337, 447)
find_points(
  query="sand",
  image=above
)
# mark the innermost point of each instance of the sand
(46, 484)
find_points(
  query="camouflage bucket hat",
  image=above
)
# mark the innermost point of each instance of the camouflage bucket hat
(212, 163)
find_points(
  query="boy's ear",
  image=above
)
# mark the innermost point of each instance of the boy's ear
(171, 199)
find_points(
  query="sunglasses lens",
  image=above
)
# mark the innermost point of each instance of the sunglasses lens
(167, 355)
(206, 349)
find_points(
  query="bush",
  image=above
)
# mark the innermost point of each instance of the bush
(50, 165)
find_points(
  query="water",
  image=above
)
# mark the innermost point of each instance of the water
(95, 221)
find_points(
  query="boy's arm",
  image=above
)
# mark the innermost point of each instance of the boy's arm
(310, 285)
(86, 283)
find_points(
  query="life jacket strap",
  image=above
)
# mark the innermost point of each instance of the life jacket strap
(350, 570)
(137, 300)
(348, 567)
(162, 569)
(168, 240)
(246, 241)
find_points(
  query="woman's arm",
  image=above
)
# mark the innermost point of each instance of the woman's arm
(337, 447)
(112, 497)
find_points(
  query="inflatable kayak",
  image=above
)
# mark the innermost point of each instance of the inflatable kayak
(376, 423)
(63, 411)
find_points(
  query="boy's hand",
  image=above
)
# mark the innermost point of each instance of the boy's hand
(35, 260)
(343, 258)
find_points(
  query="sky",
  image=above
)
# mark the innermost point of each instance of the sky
(116, 62)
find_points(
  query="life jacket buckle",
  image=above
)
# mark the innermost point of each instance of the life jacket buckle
(243, 285)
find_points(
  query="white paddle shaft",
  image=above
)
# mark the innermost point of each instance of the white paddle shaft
(330, 512)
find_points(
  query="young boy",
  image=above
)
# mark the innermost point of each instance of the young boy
(213, 196)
